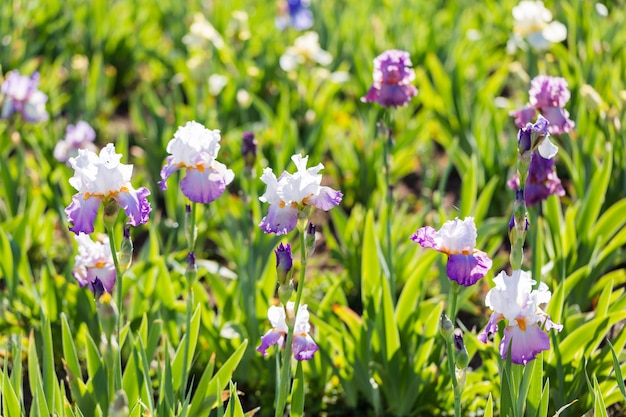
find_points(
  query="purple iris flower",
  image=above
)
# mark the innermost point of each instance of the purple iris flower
(393, 74)
(195, 148)
(542, 181)
(102, 178)
(295, 13)
(22, 96)
(457, 239)
(548, 96)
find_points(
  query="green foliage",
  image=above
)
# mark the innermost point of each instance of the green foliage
(130, 70)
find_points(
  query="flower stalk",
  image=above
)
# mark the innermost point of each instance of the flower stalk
(285, 374)
(110, 229)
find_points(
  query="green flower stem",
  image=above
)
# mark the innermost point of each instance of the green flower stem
(387, 151)
(303, 263)
(190, 275)
(536, 260)
(517, 235)
(119, 301)
(285, 375)
(453, 295)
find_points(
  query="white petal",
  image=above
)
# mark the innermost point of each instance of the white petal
(555, 32)
(547, 149)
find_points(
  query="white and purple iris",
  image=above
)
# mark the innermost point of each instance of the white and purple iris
(94, 261)
(22, 96)
(548, 96)
(79, 136)
(195, 148)
(302, 344)
(393, 75)
(102, 178)
(457, 239)
(291, 195)
(513, 299)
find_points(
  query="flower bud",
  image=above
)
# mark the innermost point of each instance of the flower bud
(119, 406)
(446, 327)
(108, 314)
(284, 263)
(125, 255)
(309, 240)
(461, 357)
(192, 269)
(285, 291)
(97, 288)
(189, 234)
(249, 149)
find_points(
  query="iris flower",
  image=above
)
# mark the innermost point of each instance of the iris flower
(94, 261)
(292, 195)
(533, 22)
(542, 180)
(102, 178)
(393, 75)
(457, 239)
(22, 96)
(548, 96)
(513, 299)
(302, 344)
(295, 13)
(195, 148)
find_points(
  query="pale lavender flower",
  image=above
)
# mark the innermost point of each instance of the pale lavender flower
(303, 346)
(79, 136)
(102, 178)
(513, 299)
(457, 239)
(195, 148)
(22, 96)
(291, 195)
(94, 262)
(548, 96)
(393, 75)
